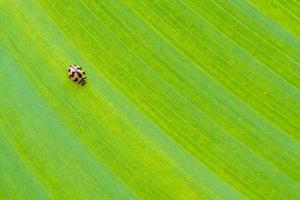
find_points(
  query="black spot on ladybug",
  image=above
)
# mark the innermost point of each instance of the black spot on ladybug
(79, 74)
(69, 70)
(75, 80)
(83, 72)
(78, 67)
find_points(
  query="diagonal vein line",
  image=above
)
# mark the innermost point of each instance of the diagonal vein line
(158, 109)
(160, 77)
(136, 36)
(87, 31)
(286, 9)
(296, 2)
(156, 73)
(237, 3)
(132, 104)
(217, 124)
(246, 53)
(271, 107)
(27, 167)
(135, 106)
(96, 69)
(150, 68)
(85, 148)
(258, 35)
(221, 84)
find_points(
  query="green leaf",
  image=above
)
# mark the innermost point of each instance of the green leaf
(184, 99)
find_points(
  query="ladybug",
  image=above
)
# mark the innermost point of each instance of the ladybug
(77, 74)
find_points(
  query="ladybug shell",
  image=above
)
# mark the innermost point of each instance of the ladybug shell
(77, 74)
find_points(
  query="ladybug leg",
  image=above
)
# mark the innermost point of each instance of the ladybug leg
(82, 81)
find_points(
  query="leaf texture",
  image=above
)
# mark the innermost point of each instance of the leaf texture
(185, 99)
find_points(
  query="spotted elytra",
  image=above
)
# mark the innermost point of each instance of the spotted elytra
(77, 74)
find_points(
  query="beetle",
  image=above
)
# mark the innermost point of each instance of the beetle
(77, 74)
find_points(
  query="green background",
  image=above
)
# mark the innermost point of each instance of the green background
(186, 99)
